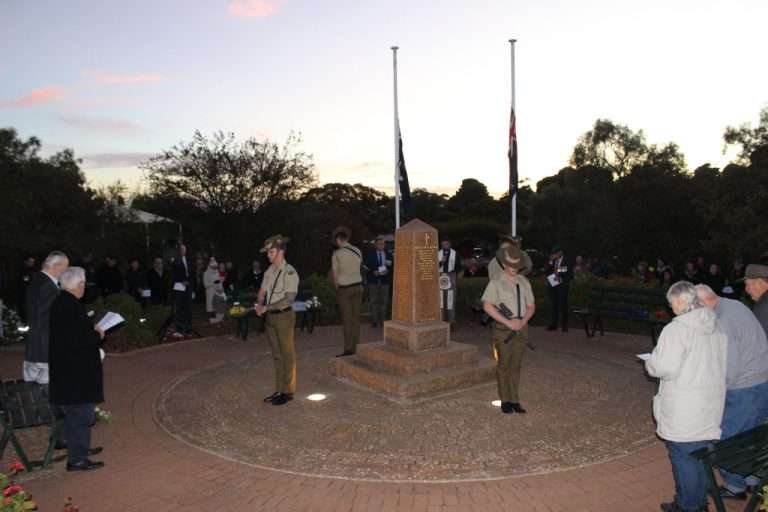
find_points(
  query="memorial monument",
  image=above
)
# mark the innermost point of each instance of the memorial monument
(416, 357)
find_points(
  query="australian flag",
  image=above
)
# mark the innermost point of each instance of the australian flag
(512, 154)
(405, 188)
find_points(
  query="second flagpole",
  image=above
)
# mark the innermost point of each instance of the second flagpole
(397, 142)
(513, 199)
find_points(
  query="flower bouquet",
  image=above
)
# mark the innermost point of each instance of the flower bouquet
(238, 311)
(103, 416)
(15, 498)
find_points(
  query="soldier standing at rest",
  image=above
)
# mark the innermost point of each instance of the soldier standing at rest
(509, 301)
(348, 280)
(494, 267)
(275, 300)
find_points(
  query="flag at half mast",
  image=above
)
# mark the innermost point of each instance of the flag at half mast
(402, 173)
(512, 154)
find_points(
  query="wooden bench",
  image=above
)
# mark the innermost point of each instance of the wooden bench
(644, 305)
(25, 405)
(744, 454)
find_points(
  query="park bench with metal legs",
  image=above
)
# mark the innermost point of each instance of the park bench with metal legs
(25, 405)
(744, 454)
(645, 305)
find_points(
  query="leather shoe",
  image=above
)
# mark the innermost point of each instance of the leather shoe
(518, 408)
(95, 451)
(272, 397)
(730, 495)
(674, 507)
(85, 465)
(281, 399)
(506, 408)
(345, 353)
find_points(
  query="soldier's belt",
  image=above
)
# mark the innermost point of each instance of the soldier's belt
(278, 311)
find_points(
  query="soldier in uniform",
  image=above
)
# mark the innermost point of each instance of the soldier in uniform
(275, 300)
(494, 268)
(348, 280)
(510, 335)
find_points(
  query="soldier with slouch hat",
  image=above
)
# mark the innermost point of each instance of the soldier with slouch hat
(275, 300)
(509, 301)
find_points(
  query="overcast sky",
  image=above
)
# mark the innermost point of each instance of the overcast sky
(119, 81)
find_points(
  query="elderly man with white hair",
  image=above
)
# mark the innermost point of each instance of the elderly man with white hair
(690, 362)
(746, 379)
(43, 289)
(77, 382)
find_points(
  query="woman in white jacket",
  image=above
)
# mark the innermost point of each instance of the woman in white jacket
(689, 361)
(211, 280)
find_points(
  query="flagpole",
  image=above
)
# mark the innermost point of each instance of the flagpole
(397, 148)
(513, 199)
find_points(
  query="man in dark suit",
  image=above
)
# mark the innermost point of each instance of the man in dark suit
(25, 278)
(182, 292)
(559, 275)
(379, 264)
(77, 381)
(43, 289)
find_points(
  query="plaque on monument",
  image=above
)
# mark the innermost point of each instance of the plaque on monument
(416, 296)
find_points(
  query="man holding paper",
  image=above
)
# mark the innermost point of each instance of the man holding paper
(77, 381)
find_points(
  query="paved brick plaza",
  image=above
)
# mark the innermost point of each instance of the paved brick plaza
(190, 433)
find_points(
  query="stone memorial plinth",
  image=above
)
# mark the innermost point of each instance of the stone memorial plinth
(416, 357)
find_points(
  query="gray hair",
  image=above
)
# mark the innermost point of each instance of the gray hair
(705, 292)
(71, 278)
(54, 258)
(685, 291)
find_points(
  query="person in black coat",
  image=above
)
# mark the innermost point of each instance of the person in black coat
(157, 280)
(109, 278)
(182, 278)
(559, 275)
(77, 381)
(379, 277)
(43, 289)
(25, 278)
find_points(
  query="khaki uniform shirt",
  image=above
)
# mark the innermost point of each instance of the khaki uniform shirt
(495, 271)
(284, 280)
(346, 265)
(504, 291)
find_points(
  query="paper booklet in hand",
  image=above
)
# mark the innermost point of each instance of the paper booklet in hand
(109, 321)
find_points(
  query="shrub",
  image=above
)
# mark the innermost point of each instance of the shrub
(140, 327)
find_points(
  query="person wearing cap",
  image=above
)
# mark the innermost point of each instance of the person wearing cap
(512, 291)
(448, 264)
(495, 270)
(756, 280)
(275, 300)
(746, 376)
(346, 264)
(559, 275)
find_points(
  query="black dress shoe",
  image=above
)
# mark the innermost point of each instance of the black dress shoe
(674, 507)
(518, 408)
(85, 465)
(95, 451)
(272, 397)
(552, 328)
(374, 324)
(730, 495)
(60, 445)
(281, 399)
(346, 353)
(506, 408)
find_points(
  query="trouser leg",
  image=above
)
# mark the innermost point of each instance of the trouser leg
(349, 306)
(689, 474)
(554, 307)
(78, 420)
(286, 323)
(274, 345)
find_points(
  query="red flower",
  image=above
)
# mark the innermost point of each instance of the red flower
(11, 490)
(16, 467)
